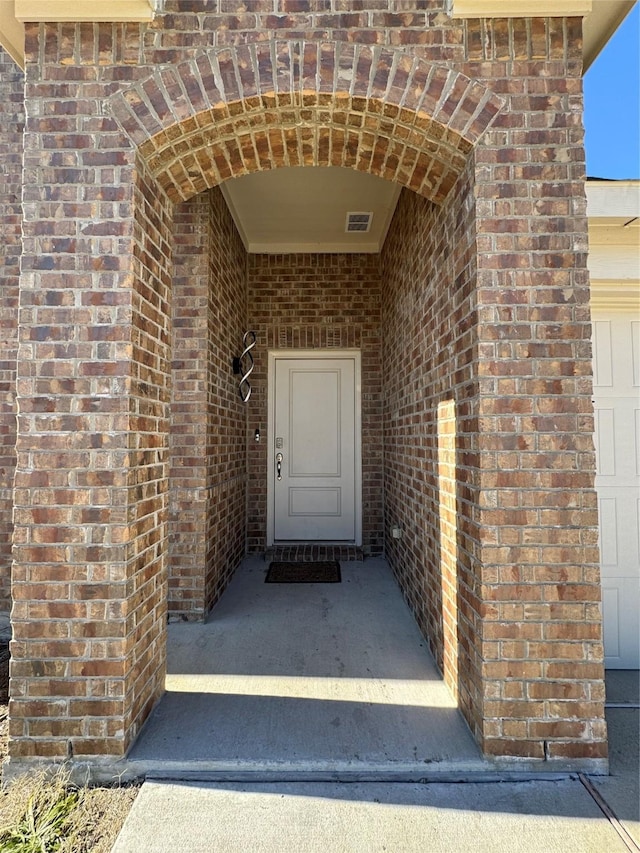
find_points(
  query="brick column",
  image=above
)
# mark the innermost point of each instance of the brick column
(89, 581)
(11, 129)
(540, 648)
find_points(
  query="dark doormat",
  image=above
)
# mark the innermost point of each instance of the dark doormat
(323, 571)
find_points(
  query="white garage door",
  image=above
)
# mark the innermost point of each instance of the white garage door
(616, 345)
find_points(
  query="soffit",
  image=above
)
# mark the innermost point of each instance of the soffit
(613, 199)
(519, 8)
(84, 10)
(11, 32)
(613, 211)
(604, 19)
(304, 209)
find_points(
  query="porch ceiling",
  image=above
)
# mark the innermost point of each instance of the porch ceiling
(304, 209)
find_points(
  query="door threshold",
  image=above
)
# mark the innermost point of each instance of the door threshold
(447, 770)
(310, 552)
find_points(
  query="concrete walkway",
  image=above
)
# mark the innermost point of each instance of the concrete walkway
(517, 817)
(621, 789)
(252, 705)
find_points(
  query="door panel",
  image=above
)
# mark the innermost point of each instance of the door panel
(314, 422)
(315, 431)
(315, 501)
(616, 380)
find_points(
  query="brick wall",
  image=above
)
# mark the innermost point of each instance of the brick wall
(208, 421)
(227, 414)
(429, 324)
(321, 302)
(188, 428)
(11, 129)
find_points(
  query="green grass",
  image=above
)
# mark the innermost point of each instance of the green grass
(43, 813)
(45, 824)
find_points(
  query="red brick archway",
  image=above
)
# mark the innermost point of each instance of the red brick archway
(228, 113)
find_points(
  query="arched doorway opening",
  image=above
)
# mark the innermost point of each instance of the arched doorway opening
(226, 115)
(409, 313)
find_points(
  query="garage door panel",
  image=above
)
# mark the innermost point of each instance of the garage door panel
(616, 340)
(611, 618)
(608, 532)
(602, 354)
(621, 622)
(617, 439)
(619, 533)
(605, 444)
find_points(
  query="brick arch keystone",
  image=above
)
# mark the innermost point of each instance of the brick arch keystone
(232, 111)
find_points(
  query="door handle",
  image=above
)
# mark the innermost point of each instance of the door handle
(279, 458)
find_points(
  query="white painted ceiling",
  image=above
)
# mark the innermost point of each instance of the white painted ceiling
(304, 209)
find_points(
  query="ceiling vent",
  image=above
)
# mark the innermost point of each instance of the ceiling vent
(360, 222)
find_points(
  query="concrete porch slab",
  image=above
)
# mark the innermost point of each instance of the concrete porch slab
(290, 681)
(300, 682)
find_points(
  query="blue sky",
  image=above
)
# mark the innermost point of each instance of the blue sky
(612, 105)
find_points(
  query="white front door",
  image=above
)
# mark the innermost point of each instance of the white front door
(315, 440)
(616, 349)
